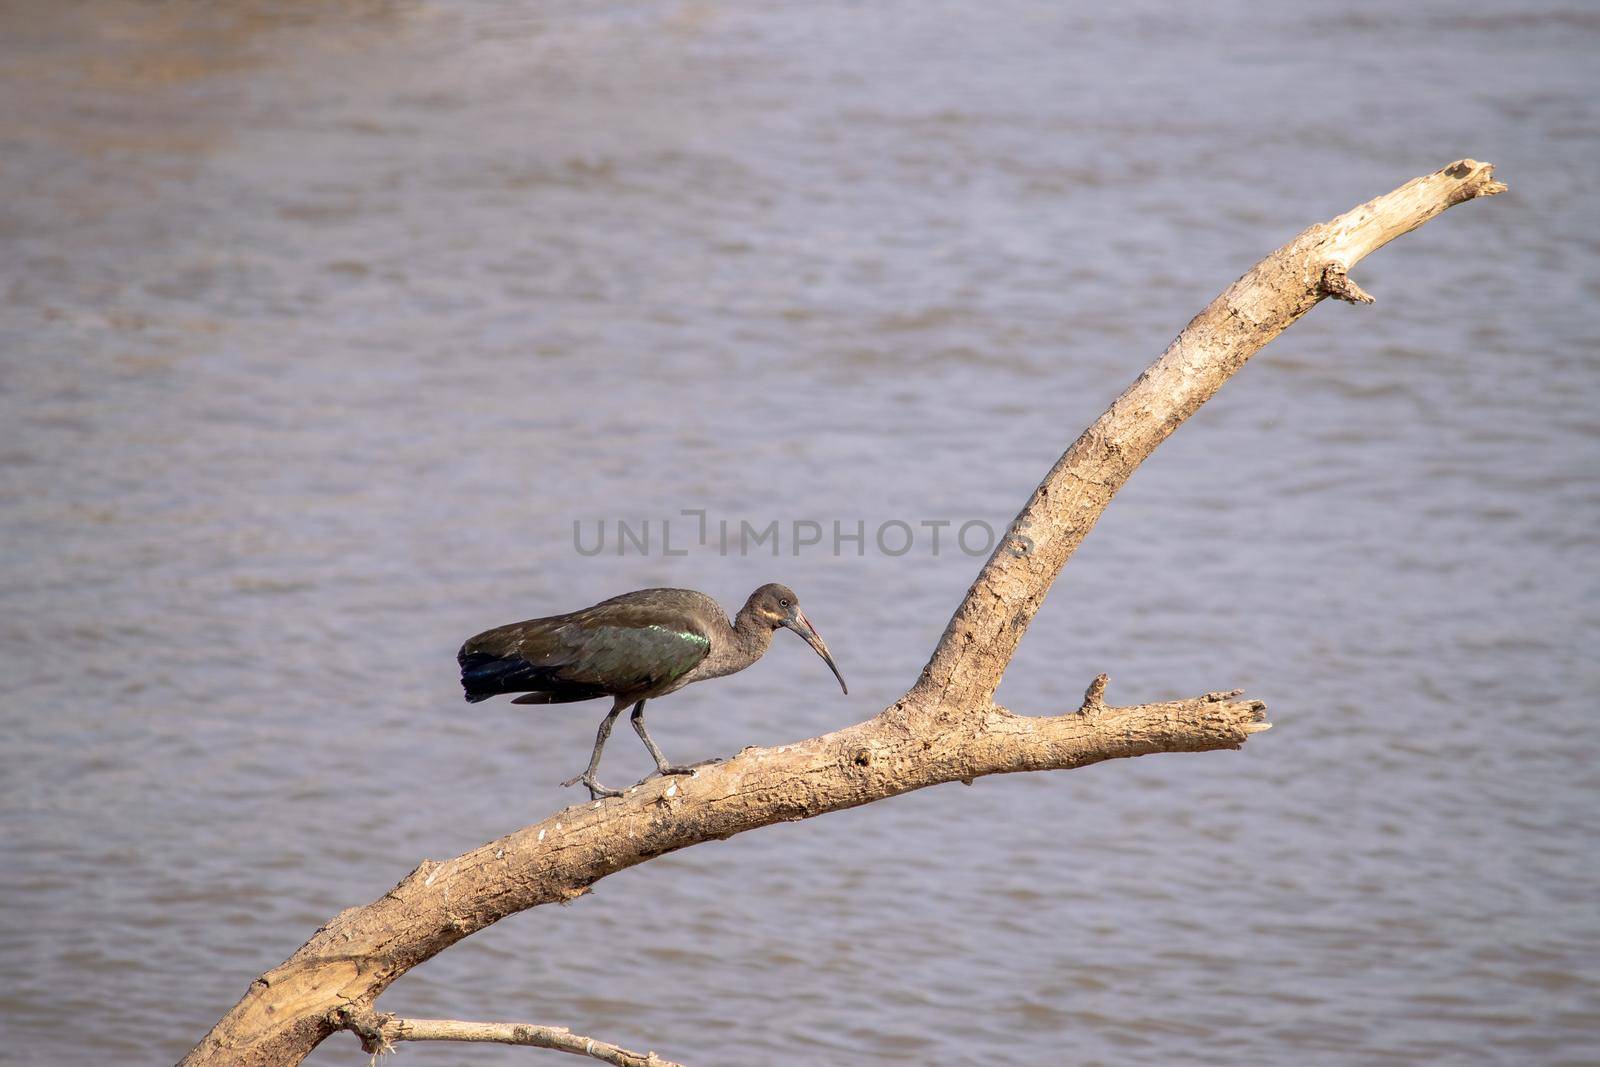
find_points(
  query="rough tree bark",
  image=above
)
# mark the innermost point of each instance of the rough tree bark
(945, 728)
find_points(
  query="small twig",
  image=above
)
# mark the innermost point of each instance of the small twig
(389, 1029)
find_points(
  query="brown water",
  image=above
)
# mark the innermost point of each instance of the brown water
(322, 327)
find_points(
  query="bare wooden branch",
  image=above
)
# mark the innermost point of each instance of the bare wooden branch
(380, 1032)
(966, 667)
(945, 728)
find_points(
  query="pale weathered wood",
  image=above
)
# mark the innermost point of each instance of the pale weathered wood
(945, 728)
(976, 647)
(379, 1033)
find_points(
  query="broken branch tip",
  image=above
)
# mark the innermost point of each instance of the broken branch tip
(1481, 175)
(1094, 697)
(1336, 283)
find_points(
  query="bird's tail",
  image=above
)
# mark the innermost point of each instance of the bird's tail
(484, 675)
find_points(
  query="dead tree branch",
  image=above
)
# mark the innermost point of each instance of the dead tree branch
(379, 1033)
(945, 728)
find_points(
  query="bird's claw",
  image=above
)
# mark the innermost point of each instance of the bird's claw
(596, 790)
(684, 768)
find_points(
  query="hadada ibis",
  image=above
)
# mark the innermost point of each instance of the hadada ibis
(631, 648)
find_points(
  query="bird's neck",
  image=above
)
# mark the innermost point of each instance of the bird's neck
(733, 648)
(751, 638)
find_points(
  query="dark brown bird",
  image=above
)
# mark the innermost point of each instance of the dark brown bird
(631, 648)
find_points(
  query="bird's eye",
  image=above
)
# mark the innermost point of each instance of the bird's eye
(782, 603)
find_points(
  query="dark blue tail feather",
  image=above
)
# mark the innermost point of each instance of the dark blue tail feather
(484, 675)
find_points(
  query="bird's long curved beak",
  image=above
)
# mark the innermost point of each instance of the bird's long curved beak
(802, 626)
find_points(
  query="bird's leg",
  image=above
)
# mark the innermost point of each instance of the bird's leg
(596, 790)
(662, 766)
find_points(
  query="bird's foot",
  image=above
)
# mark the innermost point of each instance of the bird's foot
(684, 768)
(596, 790)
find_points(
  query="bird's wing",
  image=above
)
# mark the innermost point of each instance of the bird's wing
(626, 658)
(628, 647)
(609, 648)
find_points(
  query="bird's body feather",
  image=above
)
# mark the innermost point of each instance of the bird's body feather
(638, 645)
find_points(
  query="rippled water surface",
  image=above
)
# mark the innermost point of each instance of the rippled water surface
(322, 325)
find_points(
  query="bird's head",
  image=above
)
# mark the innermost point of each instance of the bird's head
(777, 606)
